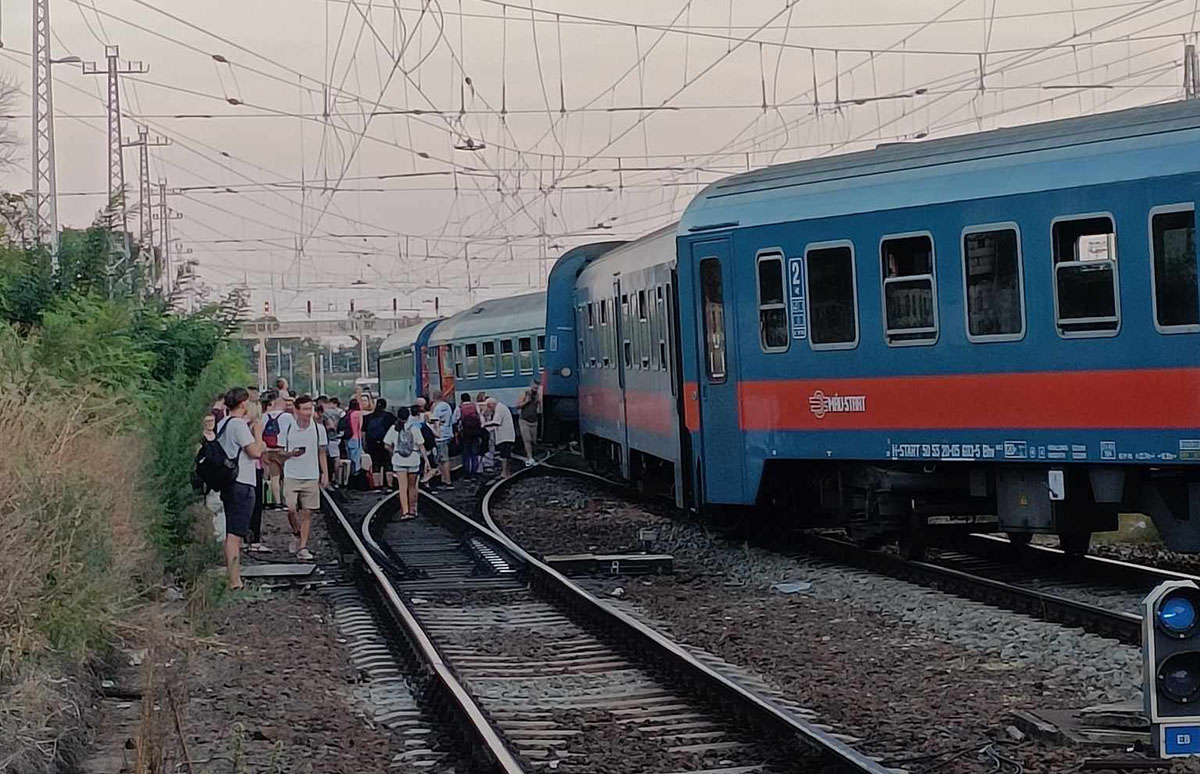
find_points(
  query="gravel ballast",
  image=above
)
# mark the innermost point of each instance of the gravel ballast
(908, 670)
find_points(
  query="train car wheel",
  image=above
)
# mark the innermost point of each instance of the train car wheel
(1074, 543)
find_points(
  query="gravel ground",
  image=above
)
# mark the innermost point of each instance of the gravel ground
(283, 695)
(1150, 554)
(908, 670)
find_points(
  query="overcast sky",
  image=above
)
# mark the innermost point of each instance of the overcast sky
(599, 120)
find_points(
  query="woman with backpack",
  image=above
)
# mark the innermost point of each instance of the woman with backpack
(403, 441)
(470, 432)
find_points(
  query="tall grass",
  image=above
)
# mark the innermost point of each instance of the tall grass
(94, 503)
(73, 511)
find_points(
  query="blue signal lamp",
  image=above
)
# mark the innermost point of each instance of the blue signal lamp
(1171, 667)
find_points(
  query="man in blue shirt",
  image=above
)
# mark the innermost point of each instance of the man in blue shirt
(441, 422)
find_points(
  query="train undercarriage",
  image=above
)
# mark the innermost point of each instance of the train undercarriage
(877, 504)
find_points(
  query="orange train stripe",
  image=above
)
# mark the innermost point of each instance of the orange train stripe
(1149, 398)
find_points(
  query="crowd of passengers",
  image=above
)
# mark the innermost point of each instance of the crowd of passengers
(288, 447)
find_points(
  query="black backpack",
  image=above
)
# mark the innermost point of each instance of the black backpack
(214, 468)
(427, 437)
(343, 425)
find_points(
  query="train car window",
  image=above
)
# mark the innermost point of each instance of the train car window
(909, 289)
(626, 343)
(663, 325)
(832, 297)
(645, 328)
(459, 363)
(525, 354)
(995, 289)
(541, 353)
(713, 298)
(507, 361)
(605, 336)
(1173, 247)
(666, 335)
(655, 327)
(591, 315)
(579, 329)
(489, 359)
(772, 304)
(1085, 276)
(472, 351)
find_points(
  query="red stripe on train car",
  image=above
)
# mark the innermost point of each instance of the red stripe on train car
(1147, 398)
(691, 406)
(651, 412)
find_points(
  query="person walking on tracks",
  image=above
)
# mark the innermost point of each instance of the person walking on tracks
(403, 441)
(274, 420)
(527, 405)
(442, 421)
(305, 473)
(227, 464)
(375, 427)
(354, 435)
(501, 423)
(470, 433)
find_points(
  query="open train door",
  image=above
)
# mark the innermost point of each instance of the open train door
(722, 470)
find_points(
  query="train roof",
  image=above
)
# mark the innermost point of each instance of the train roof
(655, 248)
(1129, 144)
(489, 318)
(405, 337)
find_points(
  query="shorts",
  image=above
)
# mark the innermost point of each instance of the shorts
(504, 449)
(272, 461)
(238, 499)
(381, 458)
(301, 494)
(334, 449)
(443, 451)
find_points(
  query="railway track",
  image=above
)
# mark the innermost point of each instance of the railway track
(1095, 594)
(540, 675)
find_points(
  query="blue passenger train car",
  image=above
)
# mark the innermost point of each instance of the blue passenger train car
(402, 376)
(625, 336)
(1003, 323)
(560, 386)
(495, 346)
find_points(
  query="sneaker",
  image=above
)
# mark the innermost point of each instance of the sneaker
(304, 555)
(259, 548)
(447, 487)
(293, 545)
(529, 463)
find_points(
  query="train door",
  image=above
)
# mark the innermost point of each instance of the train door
(721, 443)
(620, 319)
(433, 375)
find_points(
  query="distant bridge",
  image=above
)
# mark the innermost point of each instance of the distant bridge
(268, 328)
(359, 326)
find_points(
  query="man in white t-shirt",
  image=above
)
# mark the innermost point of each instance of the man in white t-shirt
(501, 424)
(305, 472)
(239, 437)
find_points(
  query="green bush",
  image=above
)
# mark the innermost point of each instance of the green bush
(177, 435)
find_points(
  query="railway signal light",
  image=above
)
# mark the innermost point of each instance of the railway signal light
(1171, 667)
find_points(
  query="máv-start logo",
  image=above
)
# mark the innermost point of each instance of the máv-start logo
(821, 404)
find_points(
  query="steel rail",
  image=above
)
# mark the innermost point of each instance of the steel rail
(759, 711)
(486, 742)
(1122, 626)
